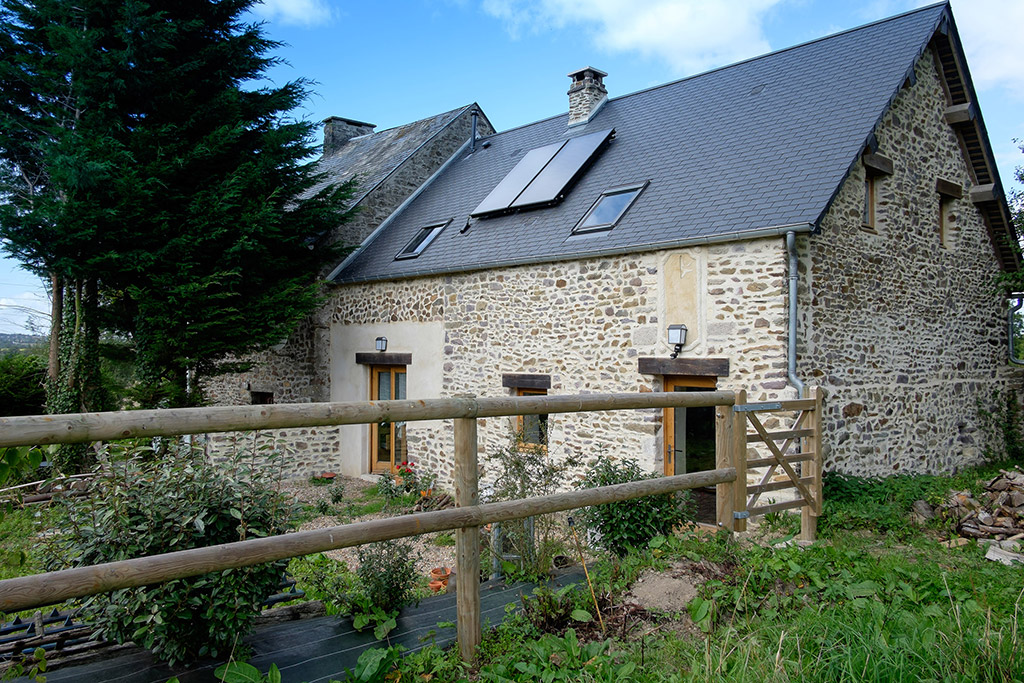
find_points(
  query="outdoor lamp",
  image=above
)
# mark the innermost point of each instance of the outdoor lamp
(382, 343)
(677, 337)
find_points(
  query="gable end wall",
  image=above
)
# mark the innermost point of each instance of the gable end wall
(906, 336)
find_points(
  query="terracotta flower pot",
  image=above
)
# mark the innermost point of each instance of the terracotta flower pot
(436, 586)
(440, 573)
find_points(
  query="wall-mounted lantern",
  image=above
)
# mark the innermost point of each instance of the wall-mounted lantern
(677, 338)
(382, 344)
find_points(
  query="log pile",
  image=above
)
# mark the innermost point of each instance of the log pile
(998, 515)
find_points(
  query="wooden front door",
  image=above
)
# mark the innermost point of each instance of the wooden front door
(387, 439)
(689, 432)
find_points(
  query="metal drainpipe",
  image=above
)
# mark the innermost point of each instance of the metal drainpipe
(1014, 360)
(794, 264)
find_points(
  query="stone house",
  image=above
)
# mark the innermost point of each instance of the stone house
(828, 214)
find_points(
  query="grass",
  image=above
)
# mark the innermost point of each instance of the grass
(887, 603)
(19, 529)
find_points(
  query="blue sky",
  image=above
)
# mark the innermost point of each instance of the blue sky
(389, 63)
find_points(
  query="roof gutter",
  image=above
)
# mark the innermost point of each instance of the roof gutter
(401, 207)
(773, 231)
(794, 263)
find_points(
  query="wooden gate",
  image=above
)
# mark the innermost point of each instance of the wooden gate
(799, 444)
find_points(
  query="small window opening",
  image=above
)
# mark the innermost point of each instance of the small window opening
(609, 209)
(421, 241)
(260, 398)
(944, 221)
(532, 430)
(870, 202)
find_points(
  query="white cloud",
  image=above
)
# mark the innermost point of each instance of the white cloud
(991, 35)
(689, 35)
(308, 13)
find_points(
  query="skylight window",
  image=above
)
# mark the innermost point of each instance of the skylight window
(545, 175)
(421, 241)
(609, 209)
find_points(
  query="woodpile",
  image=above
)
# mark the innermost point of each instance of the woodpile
(995, 519)
(999, 515)
(46, 490)
(430, 503)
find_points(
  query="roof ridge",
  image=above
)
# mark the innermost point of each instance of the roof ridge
(731, 65)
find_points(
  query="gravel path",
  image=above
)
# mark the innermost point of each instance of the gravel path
(431, 554)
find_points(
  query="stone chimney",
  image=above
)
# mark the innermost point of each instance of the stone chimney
(338, 131)
(586, 94)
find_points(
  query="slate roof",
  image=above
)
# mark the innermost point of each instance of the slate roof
(737, 151)
(374, 156)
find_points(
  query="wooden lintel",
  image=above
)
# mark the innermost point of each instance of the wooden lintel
(707, 367)
(384, 358)
(876, 163)
(948, 188)
(981, 194)
(959, 114)
(525, 381)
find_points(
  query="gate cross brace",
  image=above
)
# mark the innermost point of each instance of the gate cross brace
(759, 428)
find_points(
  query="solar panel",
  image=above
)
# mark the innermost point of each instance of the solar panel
(563, 170)
(510, 187)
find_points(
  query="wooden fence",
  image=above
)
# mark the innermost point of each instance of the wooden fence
(732, 416)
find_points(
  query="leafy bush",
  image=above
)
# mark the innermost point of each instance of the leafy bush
(387, 574)
(525, 471)
(147, 508)
(631, 523)
(22, 384)
(1004, 426)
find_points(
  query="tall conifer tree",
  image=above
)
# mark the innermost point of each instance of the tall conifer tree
(159, 184)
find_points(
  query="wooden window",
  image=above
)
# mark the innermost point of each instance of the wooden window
(876, 166)
(532, 430)
(387, 439)
(948, 192)
(870, 207)
(259, 398)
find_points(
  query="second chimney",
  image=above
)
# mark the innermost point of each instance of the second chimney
(338, 131)
(586, 94)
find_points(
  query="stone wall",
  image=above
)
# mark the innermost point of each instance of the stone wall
(585, 324)
(906, 335)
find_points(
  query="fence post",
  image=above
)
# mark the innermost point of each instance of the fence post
(812, 469)
(739, 449)
(467, 540)
(725, 456)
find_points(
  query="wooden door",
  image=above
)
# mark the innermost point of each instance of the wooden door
(387, 439)
(689, 432)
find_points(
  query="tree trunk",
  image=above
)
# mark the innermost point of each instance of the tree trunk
(56, 319)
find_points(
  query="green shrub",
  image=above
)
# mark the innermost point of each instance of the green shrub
(147, 508)
(387, 574)
(22, 384)
(524, 471)
(631, 523)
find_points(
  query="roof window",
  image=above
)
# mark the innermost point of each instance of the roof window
(609, 209)
(421, 240)
(545, 175)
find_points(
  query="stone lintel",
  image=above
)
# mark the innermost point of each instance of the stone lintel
(983, 193)
(708, 367)
(876, 163)
(525, 381)
(384, 358)
(949, 189)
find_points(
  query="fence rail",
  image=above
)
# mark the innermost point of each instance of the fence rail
(729, 477)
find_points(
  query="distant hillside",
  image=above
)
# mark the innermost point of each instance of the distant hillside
(20, 342)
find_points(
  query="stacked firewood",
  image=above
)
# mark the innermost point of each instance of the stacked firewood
(999, 515)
